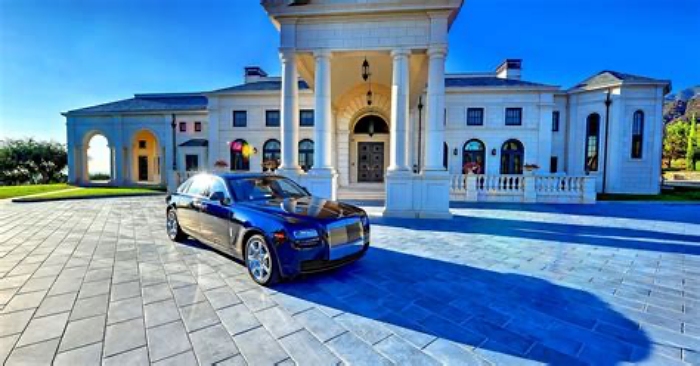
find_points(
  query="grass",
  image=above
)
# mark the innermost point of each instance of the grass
(19, 191)
(91, 192)
(670, 196)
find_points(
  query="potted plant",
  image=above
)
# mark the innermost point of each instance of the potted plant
(220, 165)
(530, 168)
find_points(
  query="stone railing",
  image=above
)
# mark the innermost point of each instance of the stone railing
(523, 188)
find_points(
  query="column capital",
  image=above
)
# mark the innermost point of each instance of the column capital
(400, 52)
(437, 50)
(323, 53)
(287, 54)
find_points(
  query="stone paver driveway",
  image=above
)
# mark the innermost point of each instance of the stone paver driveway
(90, 282)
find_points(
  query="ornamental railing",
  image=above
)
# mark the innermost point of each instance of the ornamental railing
(522, 188)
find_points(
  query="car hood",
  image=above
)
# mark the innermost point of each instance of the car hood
(305, 208)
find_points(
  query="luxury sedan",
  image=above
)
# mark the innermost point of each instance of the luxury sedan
(270, 222)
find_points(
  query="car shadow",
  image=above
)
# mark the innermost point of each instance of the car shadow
(423, 299)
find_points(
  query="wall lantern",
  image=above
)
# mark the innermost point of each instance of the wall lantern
(455, 151)
(493, 152)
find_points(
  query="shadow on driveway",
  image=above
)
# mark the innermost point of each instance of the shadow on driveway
(422, 299)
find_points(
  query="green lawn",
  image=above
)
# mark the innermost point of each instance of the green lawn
(92, 192)
(676, 195)
(19, 191)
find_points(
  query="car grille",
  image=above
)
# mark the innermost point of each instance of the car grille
(344, 232)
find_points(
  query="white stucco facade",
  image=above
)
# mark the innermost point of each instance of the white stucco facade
(422, 128)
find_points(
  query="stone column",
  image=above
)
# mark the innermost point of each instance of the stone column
(213, 133)
(434, 179)
(322, 179)
(399, 178)
(290, 115)
(544, 143)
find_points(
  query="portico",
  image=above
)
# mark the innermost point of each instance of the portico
(327, 49)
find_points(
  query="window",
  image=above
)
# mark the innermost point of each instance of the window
(183, 126)
(264, 188)
(474, 157)
(240, 155)
(306, 154)
(553, 162)
(514, 116)
(271, 155)
(555, 121)
(191, 162)
(240, 118)
(637, 134)
(592, 142)
(142, 144)
(475, 116)
(217, 185)
(198, 126)
(512, 153)
(199, 186)
(445, 155)
(306, 117)
(272, 118)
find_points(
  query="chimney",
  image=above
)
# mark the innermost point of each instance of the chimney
(510, 69)
(254, 74)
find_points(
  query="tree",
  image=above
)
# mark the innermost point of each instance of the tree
(676, 140)
(29, 161)
(692, 145)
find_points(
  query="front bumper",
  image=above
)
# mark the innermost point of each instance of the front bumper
(296, 261)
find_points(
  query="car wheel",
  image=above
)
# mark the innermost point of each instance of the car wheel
(175, 233)
(260, 261)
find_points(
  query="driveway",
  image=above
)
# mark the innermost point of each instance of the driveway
(97, 281)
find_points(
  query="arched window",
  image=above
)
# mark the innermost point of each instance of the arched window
(637, 134)
(306, 154)
(474, 157)
(271, 155)
(592, 142)
(240, 155)
(512, 153)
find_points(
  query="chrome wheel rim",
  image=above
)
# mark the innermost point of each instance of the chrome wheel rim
(171, 224)
(259, 261)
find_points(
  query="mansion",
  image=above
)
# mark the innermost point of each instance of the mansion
(364, 103)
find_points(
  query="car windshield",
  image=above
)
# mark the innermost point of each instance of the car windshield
(265, 188)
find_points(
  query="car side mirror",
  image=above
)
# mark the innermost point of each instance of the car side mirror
(219, 197)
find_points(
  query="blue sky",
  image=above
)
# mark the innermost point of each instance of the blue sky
(57, 55)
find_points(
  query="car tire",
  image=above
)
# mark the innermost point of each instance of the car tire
(261, 261)
(172, 226)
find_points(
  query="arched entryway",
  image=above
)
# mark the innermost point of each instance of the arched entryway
(145, 158)
(512, 155)
(474, 157)
(240, 155)
(99, 167)
(369, 149)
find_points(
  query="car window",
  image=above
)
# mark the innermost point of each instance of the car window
(218, 185)
(184, 186)
(263, 188)
(199, 186)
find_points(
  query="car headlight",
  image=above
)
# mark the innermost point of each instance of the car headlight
(305, 234)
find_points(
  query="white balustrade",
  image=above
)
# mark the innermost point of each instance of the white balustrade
(522, 188)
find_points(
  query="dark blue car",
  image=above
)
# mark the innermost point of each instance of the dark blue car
(268, 221)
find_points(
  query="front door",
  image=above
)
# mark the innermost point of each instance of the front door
(143, 168)
(370, 162)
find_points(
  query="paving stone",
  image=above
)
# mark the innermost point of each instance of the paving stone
(90, 289)
(222, 297)
(259, 348)
(6, 345)
(122, 310)
(307, 350)
(89, 307)
(156, 293)
(278, 322)
(34, 354)
(256, 299)
(56, 304)
(199, 315)
(161, 312)
(42, 329)
(188, 295)
(125, 290)
(369, 330)
(182, 359)
(213, 344)
(83, 332)
(24, 301)
(135, 357)
(88, 355)
(124, 336)
(237, 360)
(167, 340)
(320, 325)
(237, 319)
(354, 351)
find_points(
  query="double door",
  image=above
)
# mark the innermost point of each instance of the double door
(370, 162)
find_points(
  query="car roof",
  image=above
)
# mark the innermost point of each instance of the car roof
(234, 176)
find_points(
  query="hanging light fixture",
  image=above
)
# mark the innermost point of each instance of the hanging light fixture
(369, 95)
(370, 129)
(365, 70)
